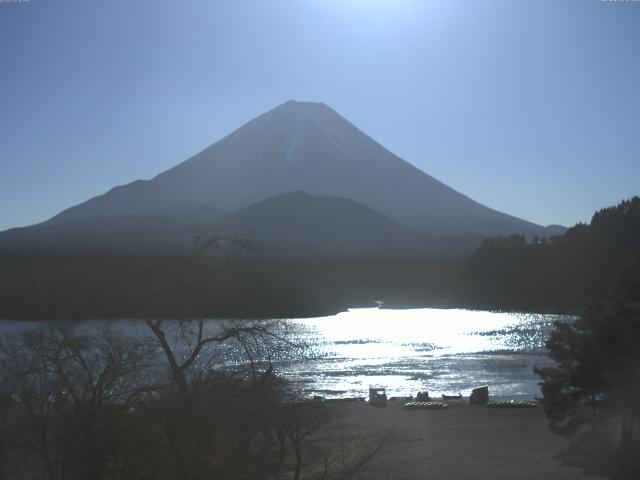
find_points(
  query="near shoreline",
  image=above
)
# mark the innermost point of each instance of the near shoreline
(460, 442)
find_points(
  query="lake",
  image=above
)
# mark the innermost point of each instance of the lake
(406, 351)
(437, 350)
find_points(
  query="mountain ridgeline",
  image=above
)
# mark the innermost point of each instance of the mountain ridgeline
(299, 178)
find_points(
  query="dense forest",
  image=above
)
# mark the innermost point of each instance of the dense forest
(563, 273)
(46, 286)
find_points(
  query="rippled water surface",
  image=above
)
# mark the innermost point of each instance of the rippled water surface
(441, 351)
(406, 351)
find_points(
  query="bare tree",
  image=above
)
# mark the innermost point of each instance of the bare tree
(253, 337)
(323, 448)
(67, 391)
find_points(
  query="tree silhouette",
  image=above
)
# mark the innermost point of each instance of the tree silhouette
(595, 384)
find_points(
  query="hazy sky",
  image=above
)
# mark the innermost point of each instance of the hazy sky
(530, 107)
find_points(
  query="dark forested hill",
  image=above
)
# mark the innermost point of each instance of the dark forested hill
(565, 273)
(300, 224)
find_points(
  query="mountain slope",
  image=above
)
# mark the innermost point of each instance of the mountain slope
(124, 232)
(302, 146)
(294, 224)
(127, 233)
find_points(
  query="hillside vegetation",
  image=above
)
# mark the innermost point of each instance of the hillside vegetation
(565, 273)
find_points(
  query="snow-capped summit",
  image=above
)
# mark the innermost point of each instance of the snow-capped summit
(294, 124)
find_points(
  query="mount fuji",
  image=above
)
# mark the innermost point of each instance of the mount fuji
(296, 147)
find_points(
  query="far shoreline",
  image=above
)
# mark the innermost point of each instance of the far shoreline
(310, 315)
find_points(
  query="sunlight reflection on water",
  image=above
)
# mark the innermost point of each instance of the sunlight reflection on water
(442, 351)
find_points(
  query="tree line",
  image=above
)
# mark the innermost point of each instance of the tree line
(563, 273)
(77, 286)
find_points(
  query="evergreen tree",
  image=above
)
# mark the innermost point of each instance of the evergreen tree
(595, 384)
